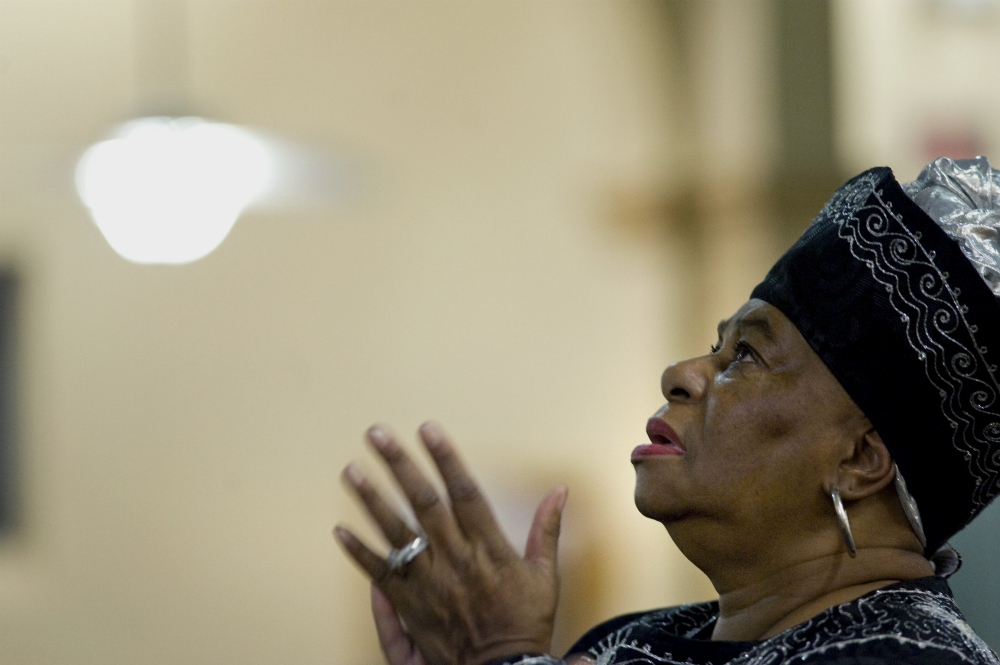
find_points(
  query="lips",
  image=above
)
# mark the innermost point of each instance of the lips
(663, 440)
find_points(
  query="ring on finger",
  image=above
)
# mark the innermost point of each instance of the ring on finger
(399, 557)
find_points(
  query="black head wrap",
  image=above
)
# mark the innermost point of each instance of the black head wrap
(911, 330)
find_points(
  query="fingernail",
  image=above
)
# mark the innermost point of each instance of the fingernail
(431, 434)
(378, 436)
(353, 474)
(562, 497)
(341, 533)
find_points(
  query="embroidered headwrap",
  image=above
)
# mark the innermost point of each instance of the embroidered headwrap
(896, 289)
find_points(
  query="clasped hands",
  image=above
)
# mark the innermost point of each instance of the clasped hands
(470, 597)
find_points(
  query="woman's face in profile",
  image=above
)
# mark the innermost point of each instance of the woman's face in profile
(761, 421)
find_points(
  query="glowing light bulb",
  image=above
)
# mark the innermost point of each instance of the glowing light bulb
(168, 190)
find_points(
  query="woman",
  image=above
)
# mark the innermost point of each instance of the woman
(777, 464)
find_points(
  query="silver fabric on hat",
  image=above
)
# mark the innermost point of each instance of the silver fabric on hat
(963, 197)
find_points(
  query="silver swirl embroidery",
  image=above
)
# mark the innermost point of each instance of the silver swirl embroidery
(621, 648)
(906, 617)
(535, 660)
(925, 620)
(936, 324)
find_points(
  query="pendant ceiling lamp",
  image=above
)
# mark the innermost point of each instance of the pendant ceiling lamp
(168, 188)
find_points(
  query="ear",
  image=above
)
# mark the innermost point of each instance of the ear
(867, 469)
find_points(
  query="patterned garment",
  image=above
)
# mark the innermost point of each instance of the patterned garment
(914, 622)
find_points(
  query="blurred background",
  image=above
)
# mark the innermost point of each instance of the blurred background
(506, 216)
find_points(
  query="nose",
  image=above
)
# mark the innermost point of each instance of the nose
(685, 381)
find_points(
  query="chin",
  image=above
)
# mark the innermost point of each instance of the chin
(666, 498)
(654, 505)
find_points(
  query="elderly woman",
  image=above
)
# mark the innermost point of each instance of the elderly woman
(866, 357)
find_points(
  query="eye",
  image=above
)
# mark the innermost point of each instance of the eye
(715, 348)
(742, 351)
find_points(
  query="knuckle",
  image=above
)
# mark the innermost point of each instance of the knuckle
(424, 499)
(463, 489)
(466, 563)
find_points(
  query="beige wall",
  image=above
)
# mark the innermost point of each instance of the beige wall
(183, 427)
(908, 71)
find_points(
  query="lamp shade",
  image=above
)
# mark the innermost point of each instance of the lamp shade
(168, 190)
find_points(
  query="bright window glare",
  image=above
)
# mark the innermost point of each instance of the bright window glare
(168, 190)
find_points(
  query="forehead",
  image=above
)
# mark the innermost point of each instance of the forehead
(767, 320)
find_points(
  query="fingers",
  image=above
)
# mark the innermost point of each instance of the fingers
(472, 511)
(543, 538)
(374, 565)
(396, 644)
(395, 529)
(432, 513)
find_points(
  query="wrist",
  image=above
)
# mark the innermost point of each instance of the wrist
(525, 659)
(513, 653)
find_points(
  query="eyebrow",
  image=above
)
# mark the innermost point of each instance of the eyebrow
(761, 325)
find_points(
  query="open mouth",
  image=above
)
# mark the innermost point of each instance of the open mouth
(663, 440)
(662, 434)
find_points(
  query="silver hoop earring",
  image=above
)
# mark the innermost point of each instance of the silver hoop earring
(845, 524)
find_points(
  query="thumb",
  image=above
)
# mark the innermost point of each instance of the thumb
(543, 538)
(396, 644)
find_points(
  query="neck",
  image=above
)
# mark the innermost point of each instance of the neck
(769, 602)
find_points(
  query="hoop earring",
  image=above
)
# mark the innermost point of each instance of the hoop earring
(845, 524)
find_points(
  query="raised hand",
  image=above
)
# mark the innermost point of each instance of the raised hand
(469, 597)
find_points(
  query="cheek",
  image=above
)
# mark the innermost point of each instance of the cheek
(750, 440)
